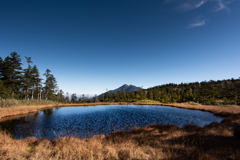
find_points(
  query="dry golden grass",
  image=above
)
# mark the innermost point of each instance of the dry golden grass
(215, 141)
(218, 110)
(19, 110)
(14, 102)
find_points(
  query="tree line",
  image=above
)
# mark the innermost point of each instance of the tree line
(19, 83)
(221, 92)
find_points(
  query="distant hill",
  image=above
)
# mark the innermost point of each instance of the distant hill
(124, 88)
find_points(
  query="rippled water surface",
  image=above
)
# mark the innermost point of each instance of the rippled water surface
(89, 121)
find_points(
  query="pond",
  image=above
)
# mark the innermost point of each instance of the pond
(85, 122)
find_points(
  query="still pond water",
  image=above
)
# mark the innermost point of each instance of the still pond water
(85, 122)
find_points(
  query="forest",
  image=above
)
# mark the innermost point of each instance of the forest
(18, 83)
(221, 92)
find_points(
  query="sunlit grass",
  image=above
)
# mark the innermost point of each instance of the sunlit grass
(214, 141)
(14, 102)
(148, 101)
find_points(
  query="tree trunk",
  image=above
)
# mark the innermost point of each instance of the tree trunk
(32, 93)
(40, 92)
(27, 92)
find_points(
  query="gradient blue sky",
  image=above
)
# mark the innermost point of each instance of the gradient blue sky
(93, 45)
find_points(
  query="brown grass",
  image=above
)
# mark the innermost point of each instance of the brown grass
(215, 141)
(14, 102)
(217, 110)
(20, 110)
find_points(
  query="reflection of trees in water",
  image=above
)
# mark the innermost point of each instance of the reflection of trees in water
(48, 112)
(6, 125)
(30, 117)
(12, 123)
(24, 126)
(10, 126)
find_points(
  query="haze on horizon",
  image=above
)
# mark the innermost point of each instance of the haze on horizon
(91, 46)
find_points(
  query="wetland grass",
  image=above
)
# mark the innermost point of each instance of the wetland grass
(214, 141)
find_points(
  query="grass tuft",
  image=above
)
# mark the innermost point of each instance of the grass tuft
(214, 141)
(4, 103)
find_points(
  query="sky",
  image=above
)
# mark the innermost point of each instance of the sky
(93, 45)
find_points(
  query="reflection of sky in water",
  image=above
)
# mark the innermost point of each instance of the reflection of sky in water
(103, 119)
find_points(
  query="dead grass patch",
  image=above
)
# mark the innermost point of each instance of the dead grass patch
(214, 141)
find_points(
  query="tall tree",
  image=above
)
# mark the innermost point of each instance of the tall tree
(74, 98)
(11, 73)
(50, 85)
(67, 98)
(60, 96)
(27, 77)
(35, 79)
(29, 61)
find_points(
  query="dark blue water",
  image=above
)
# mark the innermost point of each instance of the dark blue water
(94, 120)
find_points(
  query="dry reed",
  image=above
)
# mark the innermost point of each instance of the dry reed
(214, 141)
(217, 110)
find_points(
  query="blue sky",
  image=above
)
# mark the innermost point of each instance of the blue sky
(92, 45)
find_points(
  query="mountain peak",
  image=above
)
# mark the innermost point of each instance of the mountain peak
(125, 88)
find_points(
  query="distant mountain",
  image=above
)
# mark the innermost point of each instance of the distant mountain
(124, 88)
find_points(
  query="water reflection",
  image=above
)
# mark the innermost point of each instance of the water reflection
(94, 120)
(48, 112)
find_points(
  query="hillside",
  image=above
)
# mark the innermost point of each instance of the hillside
(124, 88)
(221, 92)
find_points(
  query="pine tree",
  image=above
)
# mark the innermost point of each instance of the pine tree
(74, 98)
(27, 77)
(83, 98)
(35, 80)
(11, 73)
(50, 85)
(67, 98)
(60, 96)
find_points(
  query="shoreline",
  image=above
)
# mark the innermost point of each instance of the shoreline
(216, 110)
(214, 141)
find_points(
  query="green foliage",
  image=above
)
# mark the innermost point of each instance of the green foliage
(11, 74)
(18, 83)
(225, 92)
(74, 98)
(50, 86)
(147, 101)
(60, 96)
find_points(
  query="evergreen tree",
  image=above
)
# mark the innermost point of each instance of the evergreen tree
(67, 98)
(35, 80)
(27, 77)
(83, 98)
(95, 98)
(11, 74)
(50, 86)
(74, 98)
(60, 96)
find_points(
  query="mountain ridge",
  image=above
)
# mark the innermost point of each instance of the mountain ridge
(124, 88)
